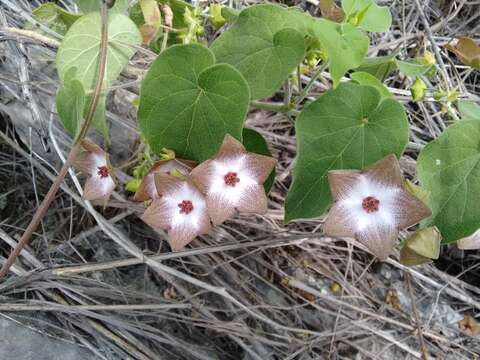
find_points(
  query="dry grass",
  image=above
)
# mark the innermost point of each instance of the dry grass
(253, 289)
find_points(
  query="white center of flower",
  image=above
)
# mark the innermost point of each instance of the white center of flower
(370, 203)
(186, 206)
(231, 178)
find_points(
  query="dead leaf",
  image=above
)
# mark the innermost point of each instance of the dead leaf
(467, 51)
(331, 11)
(469, 326)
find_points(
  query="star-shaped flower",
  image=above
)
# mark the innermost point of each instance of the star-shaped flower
(233, 181)
(181, 210)
(147, 189)
(93, 162)
(372, 205)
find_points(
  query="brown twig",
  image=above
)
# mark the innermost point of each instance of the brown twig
(42, 209)
(417, 318)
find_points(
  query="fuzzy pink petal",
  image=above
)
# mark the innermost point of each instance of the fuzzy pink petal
(201, 175)
(409, 209)
(85, 162)
(158, 215)
(471, 242)
(219, 209)
(379, 239)
(260, 166)
(97, 188)
(147, 189)
(230, 147)
(342, 181)
(253, 200)
(338, 222)
(180, 236)
(386, 171)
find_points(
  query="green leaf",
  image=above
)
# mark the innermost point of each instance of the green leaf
(188, 103)
(347, 128)
(368, 15)
(265, 44)
(364, 78)
(380, 67)
(254, 142)
(54, 17)
(346, 46)
(87, 6)
(469, 110)
(449, 167)
(71, 102)
(413, 67)
(81, 47)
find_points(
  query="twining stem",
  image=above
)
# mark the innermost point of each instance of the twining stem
(42, 209)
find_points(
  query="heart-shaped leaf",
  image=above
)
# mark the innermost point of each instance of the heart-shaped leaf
(265, 44)
(364, 78)
(449, 167)
(71, 103)
(380, 66)
(254, 142)
(346, 128)
(414, 67)
(80, 49)
(346, 46)
(368, 15)
(469, 110)
(88, 6)
(54, 17)
(188, 103)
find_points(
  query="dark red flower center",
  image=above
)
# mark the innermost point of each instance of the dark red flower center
(231, 179)
(103, 171)
(186, 207)
(370, 204)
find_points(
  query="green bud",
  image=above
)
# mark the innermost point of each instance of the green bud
(418, 89)
(133, 185)
(215, 16)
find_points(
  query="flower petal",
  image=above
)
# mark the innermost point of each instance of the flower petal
(379, 239)
(471, 242)
(342, 182)
(409, 210)
(260, 166)
(230, 147)
(339, 222)
(147, 189)
(157, 215)
(219, 209)
(180, 236)
(97, 188)
(386, 171)
(253, 200)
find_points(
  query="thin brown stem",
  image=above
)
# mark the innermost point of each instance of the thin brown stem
(417, 318)
(42, 209)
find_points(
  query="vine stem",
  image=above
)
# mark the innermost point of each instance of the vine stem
(42, 209)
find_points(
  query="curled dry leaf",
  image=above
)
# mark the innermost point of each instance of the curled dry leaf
(469, 326)
(94, 162)
(471, 242)
(153, 19)
(467, 50)
(233, 181)
(331, 11)
(147, 189)
(421, 247)
(372, 205)
(181, 210)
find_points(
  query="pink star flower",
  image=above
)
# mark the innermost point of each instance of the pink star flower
(233, 181)
(93, 162)
(180, 209)
(372, 205)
